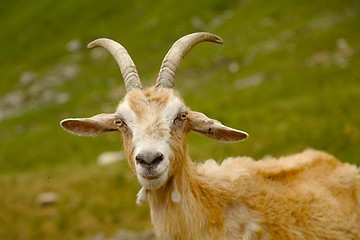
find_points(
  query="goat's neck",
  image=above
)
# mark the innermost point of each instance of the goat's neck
(196, 210)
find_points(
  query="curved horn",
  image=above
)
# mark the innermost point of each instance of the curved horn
(123, 59)
(177, 52)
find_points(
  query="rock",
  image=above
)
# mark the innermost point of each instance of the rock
(343, 54)
(250, 81)
(70, 71)
(220, 19)
(74, 45)
(322, 58)
(97, 54)
(27, 78)
(233, 67)
(108, 158)
(340, 57)
(197, 23)
(13, 99)
(62, 97)
(45, 199)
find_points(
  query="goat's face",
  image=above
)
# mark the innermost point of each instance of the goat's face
(154, 122)
(153, 125)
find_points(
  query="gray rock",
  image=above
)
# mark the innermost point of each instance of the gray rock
(45, 199)
(108, 158)
(74, 45)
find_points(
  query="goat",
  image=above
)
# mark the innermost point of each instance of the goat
(309, 195)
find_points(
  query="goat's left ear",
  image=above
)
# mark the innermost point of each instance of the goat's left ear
(93, 126)
(212, 128)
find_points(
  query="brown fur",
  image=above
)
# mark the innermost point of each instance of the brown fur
(310, 195)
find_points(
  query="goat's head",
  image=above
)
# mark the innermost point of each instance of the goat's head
(154, 121)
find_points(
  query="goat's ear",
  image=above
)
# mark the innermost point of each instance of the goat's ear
(200, 123)
(96, 125)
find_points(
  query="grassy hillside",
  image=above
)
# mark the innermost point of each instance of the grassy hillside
(287, 73)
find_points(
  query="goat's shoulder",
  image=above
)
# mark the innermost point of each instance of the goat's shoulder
(303, 166)
(307, 161)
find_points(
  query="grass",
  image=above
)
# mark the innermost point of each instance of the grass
(86, 205)
(306, 97)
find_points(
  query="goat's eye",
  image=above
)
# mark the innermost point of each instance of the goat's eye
(181, 117)
(119, 122)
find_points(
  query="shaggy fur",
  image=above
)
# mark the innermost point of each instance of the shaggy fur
(310, 195)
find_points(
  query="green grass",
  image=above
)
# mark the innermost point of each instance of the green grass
(307, 97)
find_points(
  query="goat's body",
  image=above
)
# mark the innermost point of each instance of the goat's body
(310, 195)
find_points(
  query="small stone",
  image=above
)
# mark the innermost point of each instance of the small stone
(27, 78)
(14, 99)
(108, 158)
(253, 80)
(233, 67)
(74, 45)
(45, 199)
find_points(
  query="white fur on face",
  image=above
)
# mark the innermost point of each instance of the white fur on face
(151, 132)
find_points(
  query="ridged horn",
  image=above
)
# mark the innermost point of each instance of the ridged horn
(177, 52)
(123, 59)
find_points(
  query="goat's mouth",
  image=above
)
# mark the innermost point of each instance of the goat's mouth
(152, 179)
(150, 175)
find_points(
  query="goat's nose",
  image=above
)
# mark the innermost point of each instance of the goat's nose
(149, 159)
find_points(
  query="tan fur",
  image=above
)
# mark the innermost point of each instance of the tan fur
(141, 102)
(309, 195)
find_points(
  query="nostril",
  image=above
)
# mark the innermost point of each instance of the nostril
(149, 159)
(140, 158)
(158, 158)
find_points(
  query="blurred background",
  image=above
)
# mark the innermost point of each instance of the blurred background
(287, 73)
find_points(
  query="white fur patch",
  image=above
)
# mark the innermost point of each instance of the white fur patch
(126, 113)
(141, 197)
(175, 195)
(152, 134)
(172, 108)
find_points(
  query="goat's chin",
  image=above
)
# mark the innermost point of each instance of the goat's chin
(153, 183)
(153, 178)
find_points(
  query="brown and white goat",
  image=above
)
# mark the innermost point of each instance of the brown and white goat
(310, 195)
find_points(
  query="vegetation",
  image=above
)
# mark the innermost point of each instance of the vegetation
(287, 73)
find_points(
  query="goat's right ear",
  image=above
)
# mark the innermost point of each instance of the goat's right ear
(93, 126)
